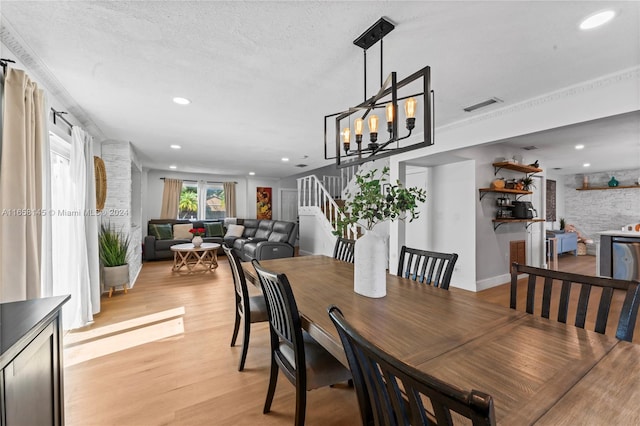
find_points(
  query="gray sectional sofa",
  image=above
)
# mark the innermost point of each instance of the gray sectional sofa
(264, 239)
(260, 239)
(160, 248)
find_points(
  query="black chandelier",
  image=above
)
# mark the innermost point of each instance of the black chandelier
(411, 90)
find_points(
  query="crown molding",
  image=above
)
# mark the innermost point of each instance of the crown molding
(567, 92)
(10, 38)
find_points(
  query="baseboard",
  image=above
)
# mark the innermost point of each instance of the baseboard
(493, 282)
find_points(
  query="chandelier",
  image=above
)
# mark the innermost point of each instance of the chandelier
(414, 90)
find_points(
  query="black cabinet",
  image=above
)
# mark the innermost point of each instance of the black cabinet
(31, 385)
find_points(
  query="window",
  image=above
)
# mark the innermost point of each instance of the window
(202, 200)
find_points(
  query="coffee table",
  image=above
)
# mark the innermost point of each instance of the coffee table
(204, 258)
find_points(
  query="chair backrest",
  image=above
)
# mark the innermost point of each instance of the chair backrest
(284, 322)
(391, 392)
(239, 279)
(344, 249)
(628, 314)
(428, 267)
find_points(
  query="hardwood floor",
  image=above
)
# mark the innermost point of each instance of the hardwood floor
(160, 355)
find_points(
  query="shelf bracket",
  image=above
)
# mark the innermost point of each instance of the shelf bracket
(497, 225)
(482, 194)
(496, 170)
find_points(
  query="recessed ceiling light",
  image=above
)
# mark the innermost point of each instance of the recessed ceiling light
(173, 167)
(597, 19)
(176, 147)
(181, 101)
(586, 165)
(285, 159)
(252, 173)
(579, 146)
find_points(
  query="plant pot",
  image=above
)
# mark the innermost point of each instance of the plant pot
(114, 276)
(370, 274)
(197, 241)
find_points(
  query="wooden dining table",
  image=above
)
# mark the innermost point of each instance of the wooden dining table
(538, 371)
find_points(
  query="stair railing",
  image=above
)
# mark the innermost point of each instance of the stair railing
(312, 193)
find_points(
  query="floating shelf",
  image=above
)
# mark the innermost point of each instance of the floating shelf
(601, 188)
(529, 222)
(517, 167)
(485, 191)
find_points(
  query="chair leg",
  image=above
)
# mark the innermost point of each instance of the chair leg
(273, 380)
(245, 342)
(301, 404)
(236, 327)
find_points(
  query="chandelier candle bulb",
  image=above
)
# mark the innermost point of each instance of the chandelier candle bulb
(346, 138)
(410, 110)
(389, 112)
(373, 128)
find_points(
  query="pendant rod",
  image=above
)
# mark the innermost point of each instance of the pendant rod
(365, 74)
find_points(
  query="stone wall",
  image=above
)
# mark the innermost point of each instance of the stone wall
(600, 210)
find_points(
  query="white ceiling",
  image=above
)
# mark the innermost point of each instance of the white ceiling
(262, 75)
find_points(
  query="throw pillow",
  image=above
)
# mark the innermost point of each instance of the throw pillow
(214, 230)
(234, 231)
(181, 231)
(162, 231)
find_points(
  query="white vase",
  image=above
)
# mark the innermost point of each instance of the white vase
(370, 274)
(197, 241)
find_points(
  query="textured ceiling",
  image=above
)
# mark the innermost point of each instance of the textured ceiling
(262, 75)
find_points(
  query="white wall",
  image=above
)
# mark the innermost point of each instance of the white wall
(416, 232)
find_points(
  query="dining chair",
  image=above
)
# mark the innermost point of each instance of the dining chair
(550, 279)
(302, 360)
(391, 392)
(344, 249)
(428, 267)
(249, 309)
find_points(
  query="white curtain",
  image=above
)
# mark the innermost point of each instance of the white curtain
(91, 225)
(24, 135)
(74, 234)
(171, 198)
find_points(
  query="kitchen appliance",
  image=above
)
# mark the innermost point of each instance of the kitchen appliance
(625, 256)
(524, 210)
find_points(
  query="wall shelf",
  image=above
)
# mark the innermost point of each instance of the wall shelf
(485, 191)
(601, 188)
(529, 222)
(515, 166)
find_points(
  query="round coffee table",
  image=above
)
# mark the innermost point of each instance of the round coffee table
(204, 258)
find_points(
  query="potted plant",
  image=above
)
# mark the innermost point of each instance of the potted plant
(527, 182)
(376, 200)
(114, 248)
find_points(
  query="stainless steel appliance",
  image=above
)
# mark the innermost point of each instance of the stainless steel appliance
(625, 255)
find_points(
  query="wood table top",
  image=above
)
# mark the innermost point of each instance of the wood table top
(533, 367)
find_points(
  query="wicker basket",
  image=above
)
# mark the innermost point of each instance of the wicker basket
(582, 249)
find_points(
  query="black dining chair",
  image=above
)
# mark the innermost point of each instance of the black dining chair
(428, 267)
(301, 359)
(549, 279)
(344, 249)
(391, 392)
(249, 309)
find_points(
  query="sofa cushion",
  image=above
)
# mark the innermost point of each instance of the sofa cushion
(281, 231)
(250, 227)
(162, 231)
(214, 229)
(264, 229)
(234, 231)
(181, 231)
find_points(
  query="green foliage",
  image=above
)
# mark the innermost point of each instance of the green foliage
(377, 201)
(113, 246)
(527, 182)
(188, 201)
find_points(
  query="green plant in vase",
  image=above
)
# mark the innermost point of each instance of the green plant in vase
(114, 249)
(527, 183)
(376, 200)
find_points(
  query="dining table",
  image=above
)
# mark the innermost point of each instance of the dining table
(538, 371)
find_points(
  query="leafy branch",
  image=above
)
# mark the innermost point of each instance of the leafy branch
(376, 200)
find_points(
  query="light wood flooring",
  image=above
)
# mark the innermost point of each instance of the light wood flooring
(160, 355)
